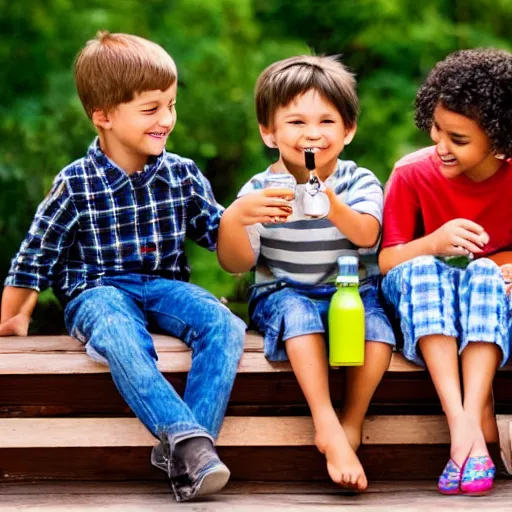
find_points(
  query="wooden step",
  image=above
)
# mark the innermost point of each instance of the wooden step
(409, 496)
(61, 417)
(236, 431)
(61, 355)
(64, 355)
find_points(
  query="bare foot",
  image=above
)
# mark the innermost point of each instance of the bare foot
(342, 463)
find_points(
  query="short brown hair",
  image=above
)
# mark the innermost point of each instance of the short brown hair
(286, 79)
(112, 68)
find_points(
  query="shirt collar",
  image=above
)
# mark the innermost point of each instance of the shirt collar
(114, 174)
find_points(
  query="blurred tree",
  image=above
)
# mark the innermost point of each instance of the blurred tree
(390, 45)
(220, 47)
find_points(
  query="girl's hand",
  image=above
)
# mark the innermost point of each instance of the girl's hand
(459, 237)
(268, 206)
(506, 272)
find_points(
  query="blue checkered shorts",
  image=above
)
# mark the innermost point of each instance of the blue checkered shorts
(286, 309)
(430, 297)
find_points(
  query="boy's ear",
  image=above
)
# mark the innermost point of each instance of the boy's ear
(267, 134)
(349, 134)
(101, 119)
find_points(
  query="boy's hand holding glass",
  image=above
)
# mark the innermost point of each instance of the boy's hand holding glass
(268, 206)
(459, 237)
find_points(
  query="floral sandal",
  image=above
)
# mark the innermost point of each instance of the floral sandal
(478, 475)
(450, 479)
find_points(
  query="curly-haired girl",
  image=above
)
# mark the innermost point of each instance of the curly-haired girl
(445, 203)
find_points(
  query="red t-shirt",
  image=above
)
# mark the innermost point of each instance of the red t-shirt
(419, 200)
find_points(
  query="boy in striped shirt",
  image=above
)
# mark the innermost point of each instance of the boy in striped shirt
(309, 103)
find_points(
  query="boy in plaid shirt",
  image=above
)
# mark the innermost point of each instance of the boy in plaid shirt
(109, 238)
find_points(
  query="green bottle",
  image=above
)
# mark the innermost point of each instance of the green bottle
(346, 317)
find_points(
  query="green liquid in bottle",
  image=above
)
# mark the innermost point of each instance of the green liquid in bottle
(346, 320)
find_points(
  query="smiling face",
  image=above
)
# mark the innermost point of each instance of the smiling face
(133, 131)
(309, 121)
(463, 147)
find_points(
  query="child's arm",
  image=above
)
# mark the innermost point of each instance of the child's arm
(234, 249)
(362, 229)
(457, 237)
(17, 307)
(51, 232)
(403, 220)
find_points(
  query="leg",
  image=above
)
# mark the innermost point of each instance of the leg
(489, 425)
(423, 291)
(485, 317)
(309, 362)
(441, 357)
(361, 383)
(186, 451)
(479, 364)
(485, 344)
(216, 337)
(287, 315)
(112, 324)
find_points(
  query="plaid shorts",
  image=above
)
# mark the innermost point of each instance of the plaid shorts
(431, 297)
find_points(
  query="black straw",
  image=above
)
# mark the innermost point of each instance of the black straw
(310, 159)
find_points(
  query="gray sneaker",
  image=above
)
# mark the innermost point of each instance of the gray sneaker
(194, 469)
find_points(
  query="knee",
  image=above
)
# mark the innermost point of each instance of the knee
(482, 276)
(237, 329)
(232, 327)
(116, 331)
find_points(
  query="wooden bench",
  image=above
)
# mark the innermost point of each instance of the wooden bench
(61, 417)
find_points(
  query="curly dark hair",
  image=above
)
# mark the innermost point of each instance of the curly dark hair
(477, 84)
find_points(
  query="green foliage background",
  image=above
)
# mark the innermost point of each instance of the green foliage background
(220, 47)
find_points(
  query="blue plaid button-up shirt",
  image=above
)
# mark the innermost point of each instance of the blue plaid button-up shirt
(98, 221)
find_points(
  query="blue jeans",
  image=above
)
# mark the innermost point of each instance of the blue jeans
(114, 320)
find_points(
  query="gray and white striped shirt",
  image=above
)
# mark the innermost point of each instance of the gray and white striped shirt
(306, 250)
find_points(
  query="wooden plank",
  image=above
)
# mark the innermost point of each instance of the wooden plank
(233, 488)
(61, 355)
(163, 343)
(171, 361)
(80, 363)
(88, 393)
(236, 431)
(262, 394)
(419, 496)
(269, 464)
